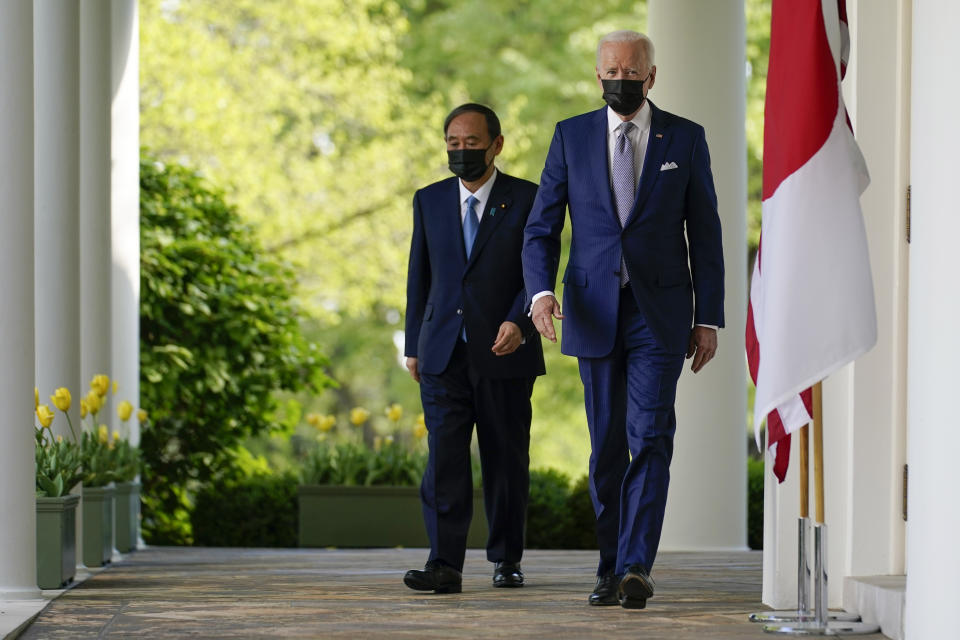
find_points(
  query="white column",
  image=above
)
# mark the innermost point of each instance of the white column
(700, 58)
(95, 234)
(18, 565)
(57, 248)
(933, 556)
(125, 217)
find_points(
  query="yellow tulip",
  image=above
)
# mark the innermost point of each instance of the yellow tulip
(44, 415)
(116, 436)
(94, 402)
(394, 412)
(83, 408)
(313, 419)
(420, 430)
(59, 439)
(36, 398)
(141, 415)
(388, 440)
(358, 415)
(103, 434)
(114, 387)
(100, 384)
(124, 410)
(61, 399)
(326, 423)
(377, 443)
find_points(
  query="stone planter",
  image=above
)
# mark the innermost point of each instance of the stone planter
(127, 521)
(56, 541)
(97, 525)
(335, 516)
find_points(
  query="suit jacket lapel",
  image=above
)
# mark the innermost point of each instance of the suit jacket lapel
(600, 160)
(657, 144)
(497, 207)
(450, 218)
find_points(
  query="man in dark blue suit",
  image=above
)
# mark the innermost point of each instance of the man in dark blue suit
(474, 351)
(643, 288)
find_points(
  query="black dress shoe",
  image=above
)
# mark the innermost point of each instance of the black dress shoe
(507, 574)
(636, 586)
(436, 576)
(605, 593)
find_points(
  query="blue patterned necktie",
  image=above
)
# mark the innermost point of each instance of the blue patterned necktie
(624, 184)
(470, 225)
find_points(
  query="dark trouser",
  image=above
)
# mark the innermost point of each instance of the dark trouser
(452, 403)
(629, 397)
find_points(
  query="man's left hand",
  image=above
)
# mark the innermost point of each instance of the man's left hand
(703, 346)
(508, 339)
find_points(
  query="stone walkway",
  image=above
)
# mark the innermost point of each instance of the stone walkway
(298, 593)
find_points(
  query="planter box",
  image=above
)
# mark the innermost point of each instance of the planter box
(56, 541)
(127, 521)
(335, 516)
(97, 525)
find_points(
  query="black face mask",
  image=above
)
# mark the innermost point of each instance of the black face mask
(468, 164)
(624, 96)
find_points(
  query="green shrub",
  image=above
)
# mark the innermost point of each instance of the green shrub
(546, 511)
(220, 339)
(755, 503)
(582, 526)
(257, 511)
(559, 516)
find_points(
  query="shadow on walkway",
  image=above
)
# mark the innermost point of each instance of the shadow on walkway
(166, 592)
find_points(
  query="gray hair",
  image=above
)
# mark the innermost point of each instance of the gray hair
(626, 35)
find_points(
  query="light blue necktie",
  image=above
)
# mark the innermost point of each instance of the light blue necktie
(624, 184)
(470, 225)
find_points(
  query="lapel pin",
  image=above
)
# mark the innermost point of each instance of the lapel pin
(493, 210)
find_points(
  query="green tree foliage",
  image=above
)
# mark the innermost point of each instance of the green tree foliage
(301, 110)
(758, 53)
(219, 339)
(532, 62)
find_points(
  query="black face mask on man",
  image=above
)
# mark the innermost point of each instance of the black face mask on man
(468, 164)
(624, 96)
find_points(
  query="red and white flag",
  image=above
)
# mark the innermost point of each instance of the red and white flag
(811, 297)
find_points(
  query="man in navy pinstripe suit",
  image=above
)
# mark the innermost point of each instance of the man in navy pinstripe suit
(473, 350)
(643, 289)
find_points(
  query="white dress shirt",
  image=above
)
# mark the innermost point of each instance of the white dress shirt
(639, 136)
(482, 195)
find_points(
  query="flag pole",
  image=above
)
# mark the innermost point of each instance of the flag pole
(823, 621)
(803, 529)
(803, 433)
(817, 451)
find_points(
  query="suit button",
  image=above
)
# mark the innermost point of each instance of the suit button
(459, 312)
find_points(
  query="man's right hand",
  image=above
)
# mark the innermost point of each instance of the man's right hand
(544, 310)
(412, 368)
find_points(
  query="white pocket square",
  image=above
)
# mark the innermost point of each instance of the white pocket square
(666, 166)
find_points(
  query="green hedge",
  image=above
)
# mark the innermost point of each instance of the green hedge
(258, 511)
(261, 511)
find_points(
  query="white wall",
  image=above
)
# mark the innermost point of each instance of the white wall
(933, 555)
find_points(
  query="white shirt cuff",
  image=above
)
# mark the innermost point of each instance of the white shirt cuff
(708, 326)
(534, 299)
